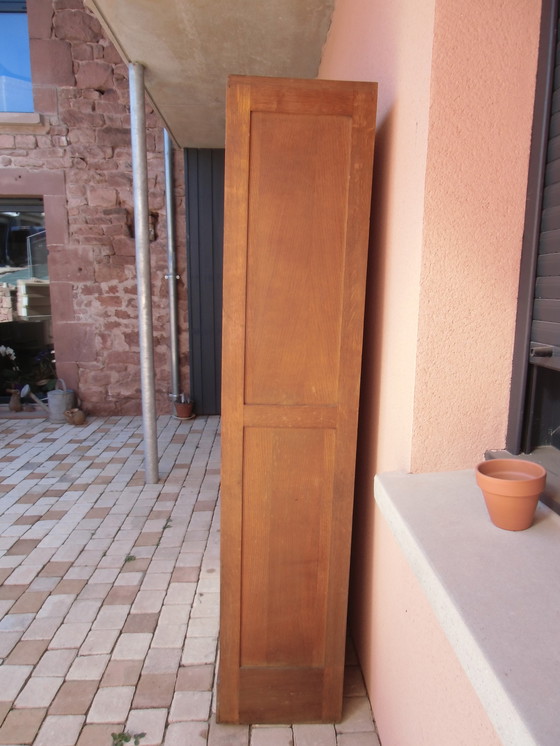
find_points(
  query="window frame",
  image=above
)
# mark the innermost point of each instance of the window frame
(14, 7)
(529, 253)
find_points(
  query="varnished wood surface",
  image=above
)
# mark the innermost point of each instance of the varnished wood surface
(298, 180)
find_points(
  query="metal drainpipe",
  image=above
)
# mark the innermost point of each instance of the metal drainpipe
(171, 275)
(142, 243)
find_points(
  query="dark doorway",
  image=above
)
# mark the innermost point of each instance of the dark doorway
(204, 176)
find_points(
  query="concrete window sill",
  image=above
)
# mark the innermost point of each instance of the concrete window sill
(494, 592)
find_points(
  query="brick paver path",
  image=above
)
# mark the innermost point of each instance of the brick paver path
(109, 594)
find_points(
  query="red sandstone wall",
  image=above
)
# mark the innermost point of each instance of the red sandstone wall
(81, 90)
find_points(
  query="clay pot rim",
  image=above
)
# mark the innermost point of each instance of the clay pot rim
(524, 469)
(529, 479)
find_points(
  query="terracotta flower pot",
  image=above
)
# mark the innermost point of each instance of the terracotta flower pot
(184, 410)
(511, 489)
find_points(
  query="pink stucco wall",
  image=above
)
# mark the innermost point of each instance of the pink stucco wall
(417, 686)
(456, 90)
(391, 43)
(481, 106)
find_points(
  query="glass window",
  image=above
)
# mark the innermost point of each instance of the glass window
(15, 67)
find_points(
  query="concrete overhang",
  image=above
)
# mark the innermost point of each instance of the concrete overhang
(189, 47)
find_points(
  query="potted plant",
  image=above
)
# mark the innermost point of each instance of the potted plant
(9, 370)
(184, 408)
(511, 489)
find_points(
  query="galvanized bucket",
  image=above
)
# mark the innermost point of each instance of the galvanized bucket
(60, 399)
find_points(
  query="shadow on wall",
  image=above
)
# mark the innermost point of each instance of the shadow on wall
(362, 549)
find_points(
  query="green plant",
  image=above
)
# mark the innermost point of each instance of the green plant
(129, 558)
(119, 739)
(9, 370)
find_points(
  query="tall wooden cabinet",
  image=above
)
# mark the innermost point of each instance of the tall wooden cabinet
(297, 197)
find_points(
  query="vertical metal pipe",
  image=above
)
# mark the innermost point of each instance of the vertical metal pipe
(142, 243)
(171, 275)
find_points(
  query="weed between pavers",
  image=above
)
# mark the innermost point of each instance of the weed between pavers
(119, 739)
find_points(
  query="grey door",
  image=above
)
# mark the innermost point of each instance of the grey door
(204, 187)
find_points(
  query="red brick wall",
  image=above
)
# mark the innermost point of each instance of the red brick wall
(80, 88)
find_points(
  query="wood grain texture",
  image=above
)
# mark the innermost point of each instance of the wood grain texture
(297, 196)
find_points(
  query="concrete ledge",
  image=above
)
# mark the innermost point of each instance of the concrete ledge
(494, 592)
(21, 123)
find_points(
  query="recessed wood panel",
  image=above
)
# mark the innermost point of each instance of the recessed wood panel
(298, 188)
(287, 509)
(295, 263)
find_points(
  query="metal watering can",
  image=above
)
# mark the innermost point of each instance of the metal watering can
(59, 400)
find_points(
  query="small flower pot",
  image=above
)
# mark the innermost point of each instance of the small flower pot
(511, 489)
(184, 410)
(75, 416)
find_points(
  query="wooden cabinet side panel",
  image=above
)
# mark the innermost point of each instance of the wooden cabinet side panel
(236, 196)
(295, 250)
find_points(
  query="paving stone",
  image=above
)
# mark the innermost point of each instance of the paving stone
(141, 623)
(147, 602)
(99, 734)
(121, 595)
(162, 660)
(111, 704)
(55, 663)
(180, 734)
(314, 735)
(12, 592)
(198, 650)
(39, 691)
(228, 735)
(154, 690)
(12, 679)
(84, 610)
(23, 546)
(111, 617)
(21, 726)
(22, 575)
(68, 585)
(358, 739)
(5, 708)
(16, 622)
(132, 646)
(88, 667)
(122, 673)
(74, 698)
(188, 705)
(70, 635)
(29, 602)
(195, 678)
(169, 635)
(356, 716)
(42, 629)
(151, 722)
(99, 641)
(62, 730)
(175, 614)
(27, 652)
(56, 606)
(55, 569)
(271, 735)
